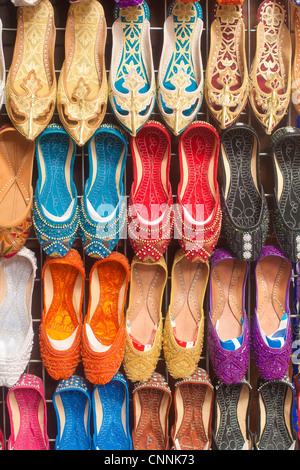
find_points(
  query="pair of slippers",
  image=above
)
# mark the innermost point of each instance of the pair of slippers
(226, 88)
(32, 91)
(108, 405)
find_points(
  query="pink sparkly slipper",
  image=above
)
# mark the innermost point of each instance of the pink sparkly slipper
(27, 412)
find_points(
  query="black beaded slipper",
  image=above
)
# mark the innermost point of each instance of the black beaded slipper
(232, 408)
(244, 206)
(285, 144)
(275, 416)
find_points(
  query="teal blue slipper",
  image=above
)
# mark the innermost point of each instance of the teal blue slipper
(55, 212)
(102, 215)
(72, 404)
(110, 403)
(180, 73)
(132, 89)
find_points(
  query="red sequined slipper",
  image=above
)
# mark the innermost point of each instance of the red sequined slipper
(150, 208)
(197, 214)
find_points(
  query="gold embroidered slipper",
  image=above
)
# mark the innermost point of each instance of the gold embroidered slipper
(226, 80)
(184, 324)
(82, 84)
(270, 74)
(31, 82)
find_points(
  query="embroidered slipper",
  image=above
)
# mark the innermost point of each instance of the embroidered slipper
(150, 206)
(232, 410)
(82, 85)
(72, 404)
(228, 326)
(193, 402)
(184, 324)
(197, 214)
(286, 218)
(275, 416)
(180, 73)
(144, 318)
(102, 213)
(111, 415)
(226, 79)
(243, 201)
(16, 192)
(28, 415)
(55, 214)
(151, 405)
(61, 325)
(17, 277)
(270, 74)
(132, 89)
(31, 82)
(2, 67)
(272, 326)
(103, 336)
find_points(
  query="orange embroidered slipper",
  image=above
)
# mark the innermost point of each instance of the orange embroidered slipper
(103, 336)
(61, 325)
(194, 403)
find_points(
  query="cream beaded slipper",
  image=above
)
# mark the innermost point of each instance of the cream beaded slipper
(131, 79)
(82, 84)
(17, 276)
(180, 73)
(270, 74)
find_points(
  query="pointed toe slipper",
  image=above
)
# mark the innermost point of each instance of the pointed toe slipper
(228, 326)
(132, 88)
(102, 212)
(72, 404)
(82, 86)
(111, 415)
(61, 325)
(197, 214)
(17, 277)
(193, 402)
(231, 429)
(55, 211)
(150, 205)
(270, 74)
(226, 80)
(28, 415)
(180, 73)
(103, 336)
(184, 324)
(286, 210)
(275, 429)
(31, 82)
(144, 325)
(272, 326)
(243, 200)
(151, 405)
(16, 191)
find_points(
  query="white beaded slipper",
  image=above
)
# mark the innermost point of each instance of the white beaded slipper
(17, 276)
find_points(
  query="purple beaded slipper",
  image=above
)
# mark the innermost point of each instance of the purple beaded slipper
(271, 331)
(228, 326)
